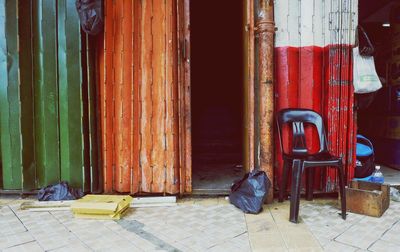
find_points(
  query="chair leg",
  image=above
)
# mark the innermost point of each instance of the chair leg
(309, 183)
(282, 190)
(342, 191)
(295, 190)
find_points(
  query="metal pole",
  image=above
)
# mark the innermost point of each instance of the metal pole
(265, 29)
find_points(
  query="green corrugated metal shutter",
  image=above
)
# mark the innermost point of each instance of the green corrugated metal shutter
(46, 92)
(26, 94)
(16, 125)
(10, 127)
(70, 95)
(47, 97)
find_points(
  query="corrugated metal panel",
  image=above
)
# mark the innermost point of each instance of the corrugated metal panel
(184, 92)
(313, 70)
(139, 97)
(9, 96)
(43, 107)
(248, 52)
(16, 96)
(26, 94)
(171, 150)
(70, 95)
(90, 95)
(46, 92)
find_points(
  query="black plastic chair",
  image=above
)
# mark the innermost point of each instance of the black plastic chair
(301, 160)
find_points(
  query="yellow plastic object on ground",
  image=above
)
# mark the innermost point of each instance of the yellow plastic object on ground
(109, 207)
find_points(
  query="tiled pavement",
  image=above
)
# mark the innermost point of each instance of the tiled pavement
(357, 233)
(200, 225)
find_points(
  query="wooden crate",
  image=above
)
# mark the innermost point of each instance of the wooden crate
(367, 198)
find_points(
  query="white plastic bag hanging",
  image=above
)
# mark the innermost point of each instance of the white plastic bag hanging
(365, 78)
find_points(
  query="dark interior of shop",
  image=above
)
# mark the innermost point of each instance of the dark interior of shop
(380, 120)
(217, 84)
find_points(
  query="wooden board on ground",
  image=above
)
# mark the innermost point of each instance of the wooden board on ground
(140, 202)
(44, 206)
(133, 205)
(151, 200)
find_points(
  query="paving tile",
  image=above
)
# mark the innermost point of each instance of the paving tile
(26, 247)
(180, 246)
(142, 239)
(324, 222)
(261, 241)
(185, 201)
(15, 239)
(89, 232)
(385, 246)
(5, 201)
(280, 213)
(334, 246)
(46, 229)
(262, 222)
(15, 204)
(77, 247)
(306, 249)
(300, 240)
(275, 229)
(288, 227)
(227, 246)
(206, 202)
(275, 249)
(357, 231)
(241, 241)
(9, 222)
(209, 225)
(393, 234)
(223, 201)
(365, 233)
(199, 226)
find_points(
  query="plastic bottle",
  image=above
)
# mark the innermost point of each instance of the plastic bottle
(377, 176)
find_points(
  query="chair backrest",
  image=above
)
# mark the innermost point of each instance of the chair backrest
(297, 118)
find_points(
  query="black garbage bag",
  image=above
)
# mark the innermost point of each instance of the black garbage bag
(91, 15)
(250, 192)
(60, 191)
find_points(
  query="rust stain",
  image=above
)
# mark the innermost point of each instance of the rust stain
(180, 34)
(106, 99)
(250, 86)
(187, 102)
(146, 86)
(136, 177)
(171, 117)
(122, 89)
(158, 96)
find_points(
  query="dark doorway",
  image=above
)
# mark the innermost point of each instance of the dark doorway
(378, 112)
(217, 93)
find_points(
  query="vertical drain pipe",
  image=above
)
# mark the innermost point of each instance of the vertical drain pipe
(265, 29)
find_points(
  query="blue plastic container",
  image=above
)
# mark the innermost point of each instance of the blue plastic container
(365, 157)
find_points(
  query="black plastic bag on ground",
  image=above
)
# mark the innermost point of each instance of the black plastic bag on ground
(60, 191)
(250, 192)
(91, 15)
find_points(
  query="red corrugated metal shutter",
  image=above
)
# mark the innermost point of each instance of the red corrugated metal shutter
(313, 70)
